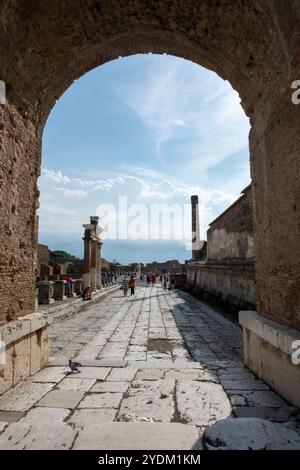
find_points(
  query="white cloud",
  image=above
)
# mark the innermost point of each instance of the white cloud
(72, 192)
(193, 111)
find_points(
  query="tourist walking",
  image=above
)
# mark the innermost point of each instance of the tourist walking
(165, 283)
(132, 285)
(69, 286)
(124, 285)
(172, 282)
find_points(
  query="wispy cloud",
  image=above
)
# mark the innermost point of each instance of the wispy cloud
(190, 114)
(190, 126)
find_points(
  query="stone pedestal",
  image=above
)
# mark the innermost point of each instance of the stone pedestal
(59, 290)
(45, 292)
(270, 351)
(26, 349)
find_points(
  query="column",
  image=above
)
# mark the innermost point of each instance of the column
(93, 269)
(86, 278)
(98, 265)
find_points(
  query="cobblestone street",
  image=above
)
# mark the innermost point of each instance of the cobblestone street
(157, 369)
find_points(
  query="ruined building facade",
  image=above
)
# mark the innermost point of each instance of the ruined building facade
(228, 273)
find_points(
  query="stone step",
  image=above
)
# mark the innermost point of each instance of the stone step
(138, 436)
(67, 309)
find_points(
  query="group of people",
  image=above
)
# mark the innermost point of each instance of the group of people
(169, 283)
(128, 284)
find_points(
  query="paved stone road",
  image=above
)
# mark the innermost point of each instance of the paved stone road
(157, 370)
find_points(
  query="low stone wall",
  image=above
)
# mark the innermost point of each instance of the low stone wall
(230, 285)
(24, 342)
(268, 352)
(25, 349)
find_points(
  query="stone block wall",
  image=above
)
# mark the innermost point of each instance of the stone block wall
(230, 285)
(26, 344)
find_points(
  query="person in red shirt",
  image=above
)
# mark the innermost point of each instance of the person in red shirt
(69, 286)
(132, 285)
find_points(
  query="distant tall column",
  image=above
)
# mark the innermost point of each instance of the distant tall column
(92, 254)
(195, 228)
(98, 266)
(93, 266)
(87, 261)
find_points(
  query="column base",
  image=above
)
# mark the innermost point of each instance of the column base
(268, 351)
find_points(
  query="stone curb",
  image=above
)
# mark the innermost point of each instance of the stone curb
(56, 314)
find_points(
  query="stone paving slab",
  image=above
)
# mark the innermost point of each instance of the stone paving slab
(50, 374)
(24, 395)
(101, 400)
(90, 416)
(51, 416)
(76, 384)
(61, 399)
(266, 412)
(191, 374)
(11, 416)
(150, 374)
(201, 403)
(138, 436)
(112, 387)
(22, 436)
(121, 375)
(98, 373)
(249, 384)
(256, 398)
(151, 400)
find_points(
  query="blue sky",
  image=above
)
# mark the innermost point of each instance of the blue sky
(152, 129)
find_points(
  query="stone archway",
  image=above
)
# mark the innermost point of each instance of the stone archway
(253, 44)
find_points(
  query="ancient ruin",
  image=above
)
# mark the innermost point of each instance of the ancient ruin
(252, 44)
(226, 272)
(92, 255)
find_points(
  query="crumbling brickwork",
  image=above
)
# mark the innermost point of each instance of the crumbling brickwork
(253, 44)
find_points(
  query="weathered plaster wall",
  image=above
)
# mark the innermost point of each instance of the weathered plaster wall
(233, 285)
(230, 238)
